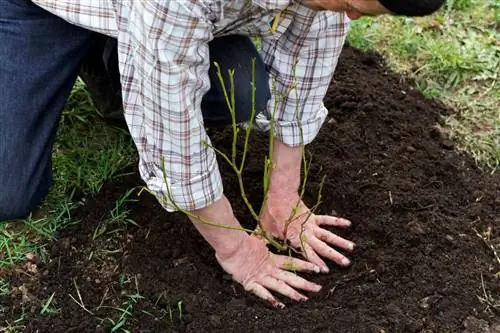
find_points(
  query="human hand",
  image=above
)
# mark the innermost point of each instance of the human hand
(304, 230)
(247, 258)
(260, 271)
(353, 9)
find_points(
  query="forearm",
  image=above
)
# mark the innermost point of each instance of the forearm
(220, 228)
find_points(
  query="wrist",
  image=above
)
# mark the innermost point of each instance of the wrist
(285, 174)
(219, 227)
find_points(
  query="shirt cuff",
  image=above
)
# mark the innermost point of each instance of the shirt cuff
(197, 192)
(297, 132)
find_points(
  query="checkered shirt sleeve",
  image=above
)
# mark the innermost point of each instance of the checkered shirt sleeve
(302, 60)
(164, 63)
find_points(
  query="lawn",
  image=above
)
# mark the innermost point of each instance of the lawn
(453, 56)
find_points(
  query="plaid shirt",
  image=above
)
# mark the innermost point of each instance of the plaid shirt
(164, 62)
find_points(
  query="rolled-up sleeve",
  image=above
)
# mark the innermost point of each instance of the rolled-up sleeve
(165, 61)
(302, 60)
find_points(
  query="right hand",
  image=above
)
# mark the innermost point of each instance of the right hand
(260, 271)
(247, 258)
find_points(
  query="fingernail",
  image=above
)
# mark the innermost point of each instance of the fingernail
(353, 246)
(318, 288)
(325, 269)
(345, 262)
(317, 269)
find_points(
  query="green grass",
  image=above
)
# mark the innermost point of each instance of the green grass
(453, 55)
(87, 153)
(117, 219)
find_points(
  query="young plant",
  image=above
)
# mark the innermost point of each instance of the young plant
(238, 167)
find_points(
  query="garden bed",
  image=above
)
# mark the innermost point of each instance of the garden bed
(417, 205)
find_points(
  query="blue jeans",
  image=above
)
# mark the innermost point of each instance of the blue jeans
(40, 55)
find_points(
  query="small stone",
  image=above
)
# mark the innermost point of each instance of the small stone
(450, 238)
(32, 268)
(474, 325)
(424, 303)
(332, 121)
(30, 257)
(411, 149)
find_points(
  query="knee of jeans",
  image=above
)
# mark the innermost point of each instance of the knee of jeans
(19, 203)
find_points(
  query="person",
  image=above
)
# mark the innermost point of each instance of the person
(169, 92)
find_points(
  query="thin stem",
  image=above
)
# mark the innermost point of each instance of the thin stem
(218, 151)
(245, 199)
(230, 104)
(252, 116)
(233, 117)
(191, 215)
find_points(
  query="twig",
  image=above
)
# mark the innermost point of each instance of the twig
(81, 304)
(103, 299)
(238, 169)
(488, 243)
(488, 300)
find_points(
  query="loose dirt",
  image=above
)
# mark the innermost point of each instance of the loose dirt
(415, 203)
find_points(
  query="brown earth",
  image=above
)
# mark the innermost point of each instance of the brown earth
(414, 201)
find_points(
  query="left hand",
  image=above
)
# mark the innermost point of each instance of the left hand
(304, 230)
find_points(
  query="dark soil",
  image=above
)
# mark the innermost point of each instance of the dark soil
(415, 203)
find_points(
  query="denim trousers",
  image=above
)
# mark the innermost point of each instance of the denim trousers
(40, 58)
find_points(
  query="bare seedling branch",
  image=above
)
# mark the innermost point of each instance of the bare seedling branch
(238, 168)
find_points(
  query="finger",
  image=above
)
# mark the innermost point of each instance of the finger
(294, 264)
(263, 293)
(333, 239)
(282, 288)
(311, 256)
(332, 220)
(296, 281)
(327, 252)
